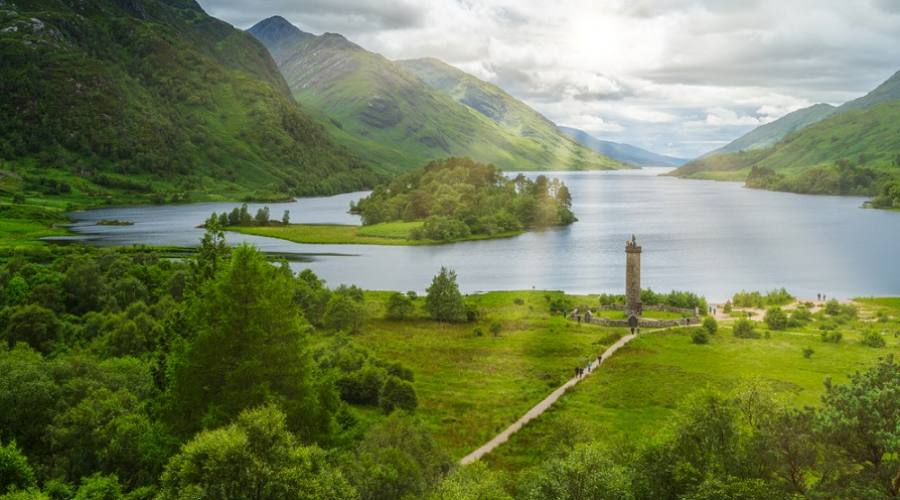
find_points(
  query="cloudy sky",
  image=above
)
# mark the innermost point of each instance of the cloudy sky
(678, 77)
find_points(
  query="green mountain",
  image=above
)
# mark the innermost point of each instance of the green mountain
(625, 153)
(856, 151)
(503, 109)
(153, 100)
(279, 36)
(390, 115)
(886, 92)
(767, 135)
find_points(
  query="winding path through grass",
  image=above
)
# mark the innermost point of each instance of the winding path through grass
(538, 409)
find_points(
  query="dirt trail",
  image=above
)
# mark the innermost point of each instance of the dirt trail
(540, 407)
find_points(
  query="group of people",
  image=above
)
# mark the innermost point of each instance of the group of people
(711, 310)
(580, 372)
(821, 297)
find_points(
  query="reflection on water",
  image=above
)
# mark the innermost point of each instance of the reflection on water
(709, 237)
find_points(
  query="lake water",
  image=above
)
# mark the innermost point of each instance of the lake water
(712, 238)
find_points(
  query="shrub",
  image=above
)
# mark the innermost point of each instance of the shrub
(33, 324)
(872, 338)
(343, 313)
(478, 332)
(710, 325)
(15, 473)
(727, 308)
(700, 337)
(444, 302)
(777, 297)
(559, 304)
(744, 329)
(399, 306)
(472, 313)
(445, 228)
(800, 316)
(519, 301)
(831, 336)
(808, 352)
(496, 327)
(362, 386)
(776, 319)
(397, 393)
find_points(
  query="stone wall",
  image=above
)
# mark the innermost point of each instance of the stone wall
(647, 323)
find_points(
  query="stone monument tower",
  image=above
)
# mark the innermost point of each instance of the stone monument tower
(633, 278)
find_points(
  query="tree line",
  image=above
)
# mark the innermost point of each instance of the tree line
(240, 216)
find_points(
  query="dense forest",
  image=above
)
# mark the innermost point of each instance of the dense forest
(457, 197)
(156, 100)
(125, 374)
(844, 177)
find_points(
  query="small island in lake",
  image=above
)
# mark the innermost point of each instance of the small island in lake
(114, 222)
(445, 201)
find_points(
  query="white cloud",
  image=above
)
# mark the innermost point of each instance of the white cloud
(722, 116)
(593, 124)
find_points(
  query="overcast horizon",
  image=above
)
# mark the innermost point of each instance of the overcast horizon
(678, 77)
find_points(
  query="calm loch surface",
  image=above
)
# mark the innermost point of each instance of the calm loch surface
(713, 238)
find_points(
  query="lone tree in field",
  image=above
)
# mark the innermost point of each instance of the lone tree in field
(444, 302)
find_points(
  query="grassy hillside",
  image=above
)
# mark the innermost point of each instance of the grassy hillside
(389, 115)
(767, 135)
(853, 153)
(623, 152)
(510, 113)
(152, 100)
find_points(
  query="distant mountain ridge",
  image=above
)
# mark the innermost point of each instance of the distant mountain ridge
(888, 91)
(625, 153)
(387, 113)
(768, 134)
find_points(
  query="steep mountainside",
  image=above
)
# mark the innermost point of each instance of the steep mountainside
(156, 100)
(623, 152)
(389, 115)
(887, 91)
(279, 36)
(766, 135)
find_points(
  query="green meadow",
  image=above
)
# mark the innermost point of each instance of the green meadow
(471, 383)
(637, 391)
(385, 233)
